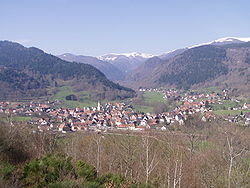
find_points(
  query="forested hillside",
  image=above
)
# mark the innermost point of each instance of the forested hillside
(28, 72)
(225, 66)
(195, 66)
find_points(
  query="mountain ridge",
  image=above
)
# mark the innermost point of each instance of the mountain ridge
(226, 66)
(34, 71)
(120, 66)
(110, 71)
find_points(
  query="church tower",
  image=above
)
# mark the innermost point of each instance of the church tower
(98, 106)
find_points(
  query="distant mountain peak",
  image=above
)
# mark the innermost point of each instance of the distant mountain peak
(67, 54)
(223, 41)
(137, 54)
(105, 67)
(231, 39)
(114, 56)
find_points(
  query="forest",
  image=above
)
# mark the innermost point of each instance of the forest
(195, 66)
(27, 69)
(199, 154)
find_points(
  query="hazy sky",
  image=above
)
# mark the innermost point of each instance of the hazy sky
(96, 27)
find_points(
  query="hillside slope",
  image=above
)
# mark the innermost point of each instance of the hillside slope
(208, 65)
(110, 71)
(126, 62)
(29, 72)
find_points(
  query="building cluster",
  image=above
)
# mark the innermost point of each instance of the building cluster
(101, 118)
(117, 116)
(193, 103)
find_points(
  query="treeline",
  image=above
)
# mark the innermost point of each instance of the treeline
(199, 154)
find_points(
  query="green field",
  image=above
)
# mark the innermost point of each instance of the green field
(227, 104)
(229, 112)
(207, 90)
(141, 108)
(149, 99)
(15, 118)
(83, 98)
(21, 118)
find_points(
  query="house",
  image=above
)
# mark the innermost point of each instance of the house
(204, 119)
(247, 116)
(60, 127)
(122, 127)
(44, 122)
(163, 128)
(246, 106)
(140, 128)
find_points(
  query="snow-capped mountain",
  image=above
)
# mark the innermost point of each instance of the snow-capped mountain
(171, 54)
(208, 64)
(108, 69)
(114, 56)
(218, 42)
(126, 62)
(224, 41)
(117, 65)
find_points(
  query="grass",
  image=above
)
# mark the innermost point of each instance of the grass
(149, 98)
(226, 104)
(141, 108)
(229, 112)
(15, 118)
(83, 98)
(21, 118)
(152, 97)
(63, 92)
(207, 90)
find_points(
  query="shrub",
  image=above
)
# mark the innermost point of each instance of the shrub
(52, 168)
(85, 170)
(6, 170)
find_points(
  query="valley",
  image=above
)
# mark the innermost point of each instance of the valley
(221, 63)
(153, 109)
(124, 94)
(209, 79)
(105, 114)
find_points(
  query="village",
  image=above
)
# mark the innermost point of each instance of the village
(120, 116)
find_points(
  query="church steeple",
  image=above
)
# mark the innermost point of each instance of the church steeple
(98, 106)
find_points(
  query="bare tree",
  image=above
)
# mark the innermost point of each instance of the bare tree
(174, 171)
(97, 140)
(150, 161)
(233, 154)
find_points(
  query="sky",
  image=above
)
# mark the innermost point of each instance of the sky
(97, 27)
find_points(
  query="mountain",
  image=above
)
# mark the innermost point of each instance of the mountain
(172, 53)
(155, 61)
(223, 63)
(194, 66)
(218, 42)
(131, 64)
(143, 70)
(110, 71)
(126, 62)
(30, 72)
(224, 41)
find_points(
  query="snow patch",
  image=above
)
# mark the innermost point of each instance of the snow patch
(114, 56)
(223, 40)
